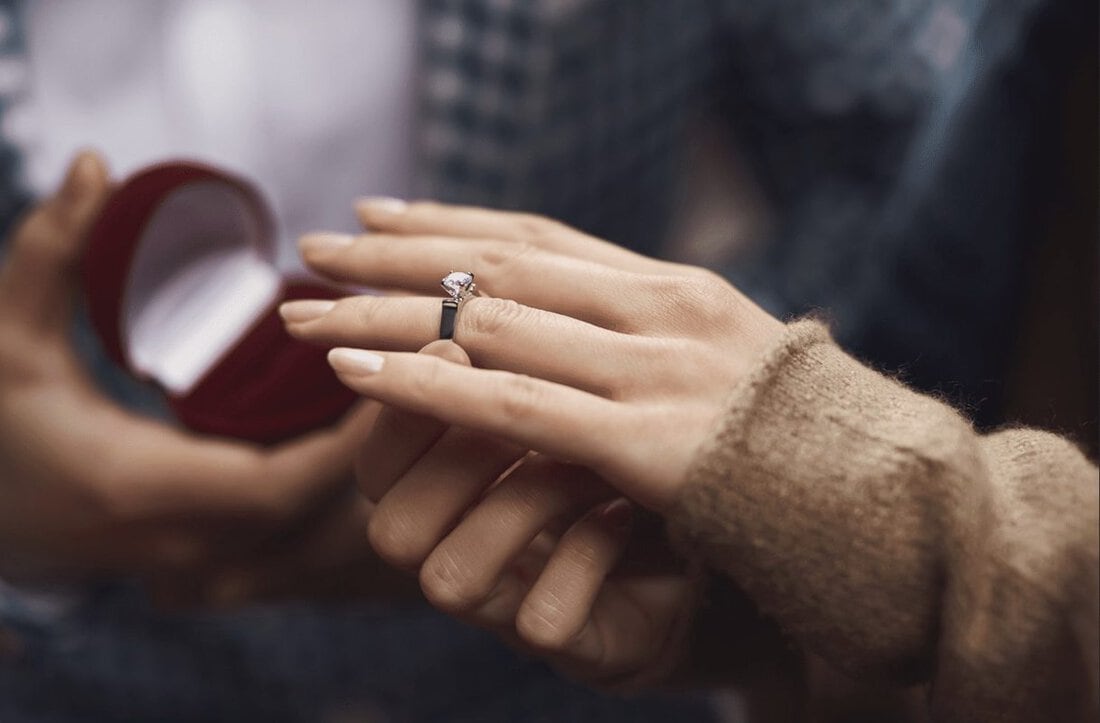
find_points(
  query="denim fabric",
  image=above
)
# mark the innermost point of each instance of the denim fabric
(110, 657)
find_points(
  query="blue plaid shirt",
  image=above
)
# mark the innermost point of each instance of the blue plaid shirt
(891, 138)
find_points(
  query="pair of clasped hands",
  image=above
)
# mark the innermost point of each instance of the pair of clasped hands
(520, 470)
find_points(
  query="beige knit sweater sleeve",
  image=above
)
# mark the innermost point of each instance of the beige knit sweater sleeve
(886, 536)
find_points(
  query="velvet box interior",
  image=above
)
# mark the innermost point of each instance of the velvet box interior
(182, 288)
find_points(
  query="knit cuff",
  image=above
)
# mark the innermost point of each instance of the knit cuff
(697, 522)
(804, 495)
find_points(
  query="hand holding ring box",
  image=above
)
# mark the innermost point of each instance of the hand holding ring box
(182, 288)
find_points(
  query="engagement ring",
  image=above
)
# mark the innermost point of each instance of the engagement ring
(460, 286)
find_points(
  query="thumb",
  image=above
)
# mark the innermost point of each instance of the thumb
(38, 279)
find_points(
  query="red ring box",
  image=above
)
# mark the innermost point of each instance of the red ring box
(182, 288)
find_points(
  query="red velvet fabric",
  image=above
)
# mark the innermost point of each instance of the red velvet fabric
(268, 387)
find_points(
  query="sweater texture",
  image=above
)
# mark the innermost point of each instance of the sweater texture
(896, 546)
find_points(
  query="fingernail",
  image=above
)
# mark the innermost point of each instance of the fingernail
(297, 312)
(384, 205)
(325, 242)
(618, 514)
(355, 361)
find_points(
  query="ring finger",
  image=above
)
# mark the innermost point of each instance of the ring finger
(496, 333)
(583, 289)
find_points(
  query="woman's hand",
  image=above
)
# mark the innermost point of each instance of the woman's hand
(541, 552)
(588, 353)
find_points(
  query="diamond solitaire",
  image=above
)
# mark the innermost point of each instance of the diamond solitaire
(459, 284)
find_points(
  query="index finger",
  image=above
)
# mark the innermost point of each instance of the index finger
(152, 497)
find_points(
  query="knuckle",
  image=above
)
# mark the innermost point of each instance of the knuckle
(496, 258)
(541, 622)
(550, 488)
(362, 310)
(585, 552)
(704, 288)
(521, 501)
(489, 317)
(449, 583)
(699, 297)
(521, 397)
(394, 537)
(535, 228)
(424, 378)
(669, 297)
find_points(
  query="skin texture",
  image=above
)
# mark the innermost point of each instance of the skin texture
(88, 489)
(585, 372)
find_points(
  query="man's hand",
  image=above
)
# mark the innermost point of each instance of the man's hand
(88, 488)
(543, 553)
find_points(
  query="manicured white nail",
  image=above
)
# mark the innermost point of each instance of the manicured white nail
(355, 361)
(325, 242)
(384, 205)
(298, 312)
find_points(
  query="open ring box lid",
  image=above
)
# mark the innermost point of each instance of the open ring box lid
(182, 288)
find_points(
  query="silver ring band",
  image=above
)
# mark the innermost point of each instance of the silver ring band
(460, 286)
